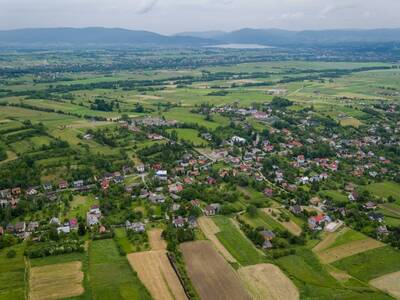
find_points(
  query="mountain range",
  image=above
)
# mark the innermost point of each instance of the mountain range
(118, 36)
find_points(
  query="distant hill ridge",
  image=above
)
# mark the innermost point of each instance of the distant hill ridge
(272, 37)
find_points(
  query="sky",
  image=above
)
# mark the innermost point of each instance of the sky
(172, 16)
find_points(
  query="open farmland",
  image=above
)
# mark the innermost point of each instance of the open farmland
(210, 230)
(236, 243)
(110, 276)
(12, 274)
(371, 264)
(211, 275)
(349, 249)
(266, 281)
(157, 274)
(155, 239)
(56, 281)
(389, 283)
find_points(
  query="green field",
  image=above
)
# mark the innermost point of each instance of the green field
(190, 135)
(314, 281)
(261, 220)
(371, 264)
(349, 236)
(237, 244)
(12, 274)
(110, 276)
(385, 189)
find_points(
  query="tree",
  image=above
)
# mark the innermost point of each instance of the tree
(252, 211)
(81, 229)
(11, 254)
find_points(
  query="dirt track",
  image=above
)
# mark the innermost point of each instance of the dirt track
(155, 240)
(212, 276)
(267, 281)
(209, 229)
(157, 274)
(56, 281)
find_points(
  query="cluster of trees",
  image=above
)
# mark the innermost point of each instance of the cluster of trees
(43, 249)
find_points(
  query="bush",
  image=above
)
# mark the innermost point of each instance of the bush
(11, 254)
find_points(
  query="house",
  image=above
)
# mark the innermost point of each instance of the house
(192, 221)
(63, 185)
(175, 207)
(31, 191)
(137, 227)
(353, 196)
(268, 192)
(162, 174)
(32, 226)
(212, 209)
(175, 188)
(296, 209)
(64, 229)
(55, 221)
(315, 201)
(156, 198)
(78, 184)
(369, 205)
(382, 230)
(268, 235)
(140, 168)
(20, 227)
(238, 140)
(47, 186)
(267, 245)
(377, 217)
(178, 222)
(316, 222)
(16, 191)
(93, 215)
(73, 224)
(195, 203)
(105, 184)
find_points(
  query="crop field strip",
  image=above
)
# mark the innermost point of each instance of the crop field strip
(211, 275)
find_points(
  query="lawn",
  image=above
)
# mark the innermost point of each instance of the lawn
(12, 274)
(384, 189)
(261, 220)
(110, 276)
(371, 264)
(190, 135)
(80, 205)
(237, 244)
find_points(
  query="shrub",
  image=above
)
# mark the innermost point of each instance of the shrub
(11, 254)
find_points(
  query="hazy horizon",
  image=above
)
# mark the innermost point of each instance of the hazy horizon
(174, 16)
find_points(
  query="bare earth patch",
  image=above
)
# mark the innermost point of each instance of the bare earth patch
(56, 281)
(267, 281)
(210, 230)
(291, 226)
(157, 274)
(212, 276)
(389, 283)
(346, 250)
(156, 241)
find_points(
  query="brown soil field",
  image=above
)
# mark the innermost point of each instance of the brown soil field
(329, 239)
(157, 274)
(209, 229)
(155, 240)
(389, 283)
(346, 250)
(56, 281)
(212, 276)
(267, 281)
(291, 226)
